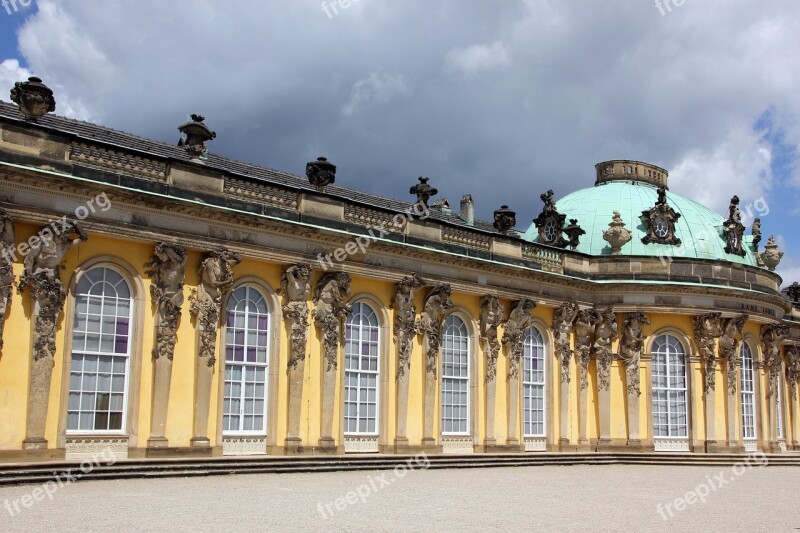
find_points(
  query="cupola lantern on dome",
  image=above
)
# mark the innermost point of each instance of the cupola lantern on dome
(631, 171)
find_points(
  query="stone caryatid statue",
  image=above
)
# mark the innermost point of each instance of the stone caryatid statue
(330, 309)
(792, 369)
(585, 322)
(630, 349)
(216, 280)
(707, 328)
(731, 335)
(41, 274)
(405, 321)
(605, 331)
(491, 318)
(168, 270)
(519, 321)
(771, 337)
(437, 303)
(296, 287)
(563, 320)
(6, 267)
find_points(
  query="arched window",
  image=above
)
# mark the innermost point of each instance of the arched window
(455, 377)
(533, 383)
(361, 371)
(246, 361)
(748, 394)
(100, 359)
(670, 414)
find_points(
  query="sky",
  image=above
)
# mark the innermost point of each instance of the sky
(502, 100)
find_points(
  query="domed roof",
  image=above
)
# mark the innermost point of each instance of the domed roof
(700, 229)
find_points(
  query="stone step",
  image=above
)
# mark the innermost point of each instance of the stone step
(27, 473)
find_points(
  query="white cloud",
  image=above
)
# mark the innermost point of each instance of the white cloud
(740, 164)
(376, 89)
(476, 58)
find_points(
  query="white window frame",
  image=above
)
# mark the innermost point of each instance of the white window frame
(530, 346)
(244, 365)
(377, 373)
(126, 383)
(445, 336)
(668, 367)
(747, 392)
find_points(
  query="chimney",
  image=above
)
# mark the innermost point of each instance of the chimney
(468, 209)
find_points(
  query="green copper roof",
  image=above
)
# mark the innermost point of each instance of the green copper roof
(699, 228)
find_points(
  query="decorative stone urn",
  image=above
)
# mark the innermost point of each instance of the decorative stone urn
(771, 256)
(34, 98)
(197, 135)
(616, 235)
(504, 219)
(321, 173)
(423, 191)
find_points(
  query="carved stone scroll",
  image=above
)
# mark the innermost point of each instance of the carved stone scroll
(605, 331)
(167, 269)
(707, 328)
(216, 280)
(563, 319)
(630, 352)
(7, 255)
(405, 330)
(437, 303)
(330, 310)
(296, 287)
(519, 321)
(731, 335)
(630, 349)
(585, 323)
(41, 274)
(792, 370)
(405, 321)
(491, 318)
(771, 337)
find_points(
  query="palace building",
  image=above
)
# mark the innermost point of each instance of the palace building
(159, 300)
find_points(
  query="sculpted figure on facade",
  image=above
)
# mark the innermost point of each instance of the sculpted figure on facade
(437, 303)
(41, 274)
(585, 323)
(491, 318)
(792, 369)
(771, 337)
(707, 328)
(6, 267)
(405, 320)
(519, 321)
(168, 270)
(216, 279)
(731, 335)
(296, 287)
(330, 309)
(563, 319)
(605, 331)
(630, 349)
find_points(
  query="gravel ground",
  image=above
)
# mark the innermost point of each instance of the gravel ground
(546, 498)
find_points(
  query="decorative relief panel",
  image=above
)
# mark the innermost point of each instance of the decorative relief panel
(117, 161)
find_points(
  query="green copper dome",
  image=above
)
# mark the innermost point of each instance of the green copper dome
(699, 228)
